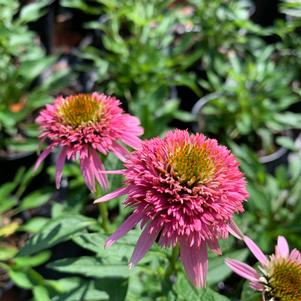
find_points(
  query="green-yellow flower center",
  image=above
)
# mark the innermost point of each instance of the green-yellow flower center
(191, 164)
(80, 110)
(284, 280)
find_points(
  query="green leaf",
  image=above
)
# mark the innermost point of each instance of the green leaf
(287, 142)
(40, 293)
(34, 200)
(32, 68)
(85, 291)
(89, 267)
(5, 190)
(74, 289)
(7, 204)
(34, 225)
(218, 271)
(7, 252)
(54, 232)
(33, 11)
(185, 291)
(25, 261)
(119, 251)
(20, 278)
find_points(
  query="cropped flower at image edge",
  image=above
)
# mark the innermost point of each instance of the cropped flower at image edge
(280, 277)
(84, 125)
(184, 190)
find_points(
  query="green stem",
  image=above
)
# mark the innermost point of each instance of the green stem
(171, 269)
(104, 213)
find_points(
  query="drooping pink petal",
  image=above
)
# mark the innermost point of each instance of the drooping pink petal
(243, 270)
(213, 245)
(42, 157)
(120, 152)
(195, 261)
(132, 141)
(59, 166)
(112, 195)
(98, 166)
(234, 230)
(282, 248)
(88, 173)
(144, 242)
(256, 251)
(129, 223)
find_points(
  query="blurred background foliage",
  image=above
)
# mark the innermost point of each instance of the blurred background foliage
(230, 69)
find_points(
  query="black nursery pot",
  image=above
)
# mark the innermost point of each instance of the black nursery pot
(270, 162)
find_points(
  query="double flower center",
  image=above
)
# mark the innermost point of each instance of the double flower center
(80, 110)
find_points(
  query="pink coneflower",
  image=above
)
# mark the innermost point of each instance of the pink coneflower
(280, 274)
(184, 189)
(83, 125)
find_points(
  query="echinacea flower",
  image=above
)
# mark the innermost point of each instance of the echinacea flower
(84, 125)
(279, 278)
(184, 189)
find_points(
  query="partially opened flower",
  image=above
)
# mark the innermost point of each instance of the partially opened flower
(184, 190)
(83, 125)
(279, 278)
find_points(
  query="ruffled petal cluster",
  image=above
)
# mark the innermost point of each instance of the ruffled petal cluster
(280, 273)
(83, 126)
(184, 190)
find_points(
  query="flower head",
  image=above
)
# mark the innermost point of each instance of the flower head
(184, 189)
(279, 278)
(83, 125)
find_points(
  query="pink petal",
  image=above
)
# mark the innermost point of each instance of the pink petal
(114, 194)
(132, 141)
(145, 241)
(295, 256)
(257, 286)
(213, 245)
(129, 223)
(98, 166)
(113, 172)
(59, 166)
(88, 174)
(120, 152)
(243, 270)
(195, 261)
(42, 157)
(234, 230)
(256, 250)
(282, 248)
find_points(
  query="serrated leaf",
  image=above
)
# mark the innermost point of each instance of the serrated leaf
(119, 251)
(89, 267)
(54, 232)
